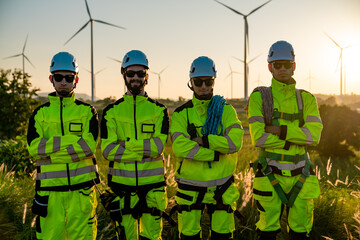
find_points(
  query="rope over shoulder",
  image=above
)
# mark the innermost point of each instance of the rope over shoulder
(214, 116)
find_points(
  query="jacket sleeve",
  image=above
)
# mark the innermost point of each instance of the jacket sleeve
(231, 140)
(154, 146)
(183, 146)
(61, 149)
(309, 133)
(259, 137)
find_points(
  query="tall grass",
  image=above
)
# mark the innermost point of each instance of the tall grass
(336, 214)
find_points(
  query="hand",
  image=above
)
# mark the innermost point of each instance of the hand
(273, 129)
(198, 140)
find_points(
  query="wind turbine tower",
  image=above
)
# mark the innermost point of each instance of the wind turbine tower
(159, 79)
(246, 40)
(117, 60)
(23, 57)
(91, 21)
(231, 78)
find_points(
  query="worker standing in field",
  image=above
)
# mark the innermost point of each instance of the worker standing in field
(62, 137)
(206, 135)
(283, 122)
(134, 131)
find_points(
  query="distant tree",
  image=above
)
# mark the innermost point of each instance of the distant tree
(16, 103)
(341, 133)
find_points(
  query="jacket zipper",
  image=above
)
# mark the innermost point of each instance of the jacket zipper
(62, 131)
(136, 169)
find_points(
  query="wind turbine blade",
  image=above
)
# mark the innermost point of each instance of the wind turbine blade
(337, 65)
(348, 46)
(247, 34)
(87, 70)
(239, 59)
(29, 61)
(235, 11)
(332, 40)
(99, 71)
(78, 32)
(110, 24)
(227, 76)
(87, 8)
(259, 7)
(25, 43)
(230, 68)
(13, 56)
(163, 70)
(255, 58)
(154, 73)
(116, 60)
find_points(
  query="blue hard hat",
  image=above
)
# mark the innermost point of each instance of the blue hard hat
(64, 61)
(281, 50)
(203, 67)
(135, 57)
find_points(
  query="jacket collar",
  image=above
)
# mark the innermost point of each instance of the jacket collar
(65, 100)
(139, 99)
(283, 87)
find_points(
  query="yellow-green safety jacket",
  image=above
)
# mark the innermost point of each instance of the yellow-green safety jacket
(62, 136)
(134, 131)
(194, 168)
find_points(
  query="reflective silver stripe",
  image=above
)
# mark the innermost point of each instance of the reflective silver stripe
(41, 148)
(256, 119)
(63, 174)
(196, 183)
(45, 161)
(119, 152)
(177, 134)
(232, 147)
(56, 144)
(85, 147)
(147, 159)
(313, 119)
(262, 140)
(140, 173)
(236, 125)
(159, 145)
(306, 131)
(299, 99)
(147, 147)
(193, 152)
(286, 166)
(72, 153)
(108, 149)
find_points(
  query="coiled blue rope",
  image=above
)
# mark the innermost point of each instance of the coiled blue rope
(214, 117)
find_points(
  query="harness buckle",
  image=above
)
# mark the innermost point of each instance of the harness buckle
(306, 172)
(267, 171)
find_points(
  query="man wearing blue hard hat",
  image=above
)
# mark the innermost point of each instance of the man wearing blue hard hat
(62, 137)
(134, 131)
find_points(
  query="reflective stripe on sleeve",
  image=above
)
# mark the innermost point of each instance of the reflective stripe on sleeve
(256, 119)
(41, 148)
(147, 147)
(72, 153)
(56, 144)
(177, 134)
(235, 125)
(196, 183)
(85, 147)
(262, 140)
(108, 149)
(140, 173)
(193, 152)
(313, 119)
(232, 147)
(159, 145)
(119, 152)
(306, 131)
(45, 161)
(63, 174)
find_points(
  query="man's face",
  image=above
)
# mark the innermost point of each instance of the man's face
(282, 70)
(133, 80)
(63, 81)
(202, 85)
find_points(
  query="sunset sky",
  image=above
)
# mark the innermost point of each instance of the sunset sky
(173, 33)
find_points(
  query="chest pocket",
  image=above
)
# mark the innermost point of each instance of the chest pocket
(75, 127)
(147, 128)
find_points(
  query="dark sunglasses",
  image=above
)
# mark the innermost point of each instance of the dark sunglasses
(59, 77)
(199, 82)
(131, 73)
(287, 65)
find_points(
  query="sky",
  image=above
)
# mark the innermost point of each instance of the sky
(173, 33)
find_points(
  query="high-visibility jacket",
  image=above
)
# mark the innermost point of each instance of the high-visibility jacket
(221, 150)
(134, 131)
(294, 138)
(62, 136)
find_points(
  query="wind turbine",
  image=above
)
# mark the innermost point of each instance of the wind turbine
(91, 21)
(246, 40)
(247, 65)
(231, 75)
(94, 74)
(23, 57)
(159, 79)
(117, 60)
(341, 62)
(310, 78)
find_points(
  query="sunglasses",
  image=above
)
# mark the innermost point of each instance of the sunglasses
(59, 77)
(199, 82)
(140, 73)
(287, 65)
